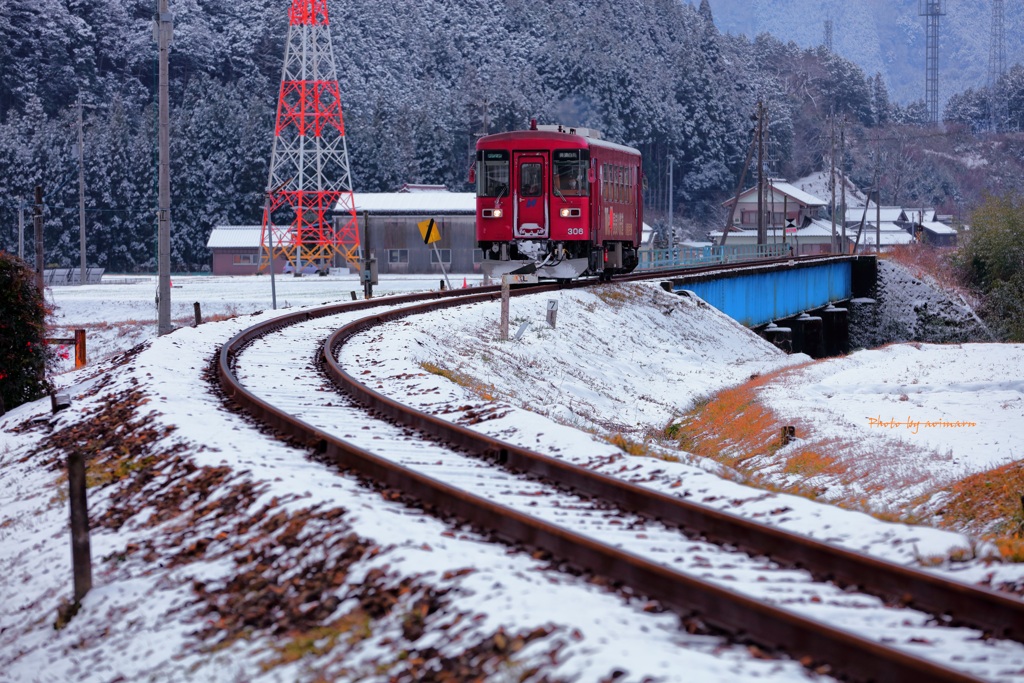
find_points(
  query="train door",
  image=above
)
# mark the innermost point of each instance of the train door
(532, 177)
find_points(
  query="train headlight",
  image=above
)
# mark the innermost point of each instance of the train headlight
(569, 213)
(491, 213)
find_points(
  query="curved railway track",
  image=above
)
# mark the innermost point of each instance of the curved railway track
(578, 506)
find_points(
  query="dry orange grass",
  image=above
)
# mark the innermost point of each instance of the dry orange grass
(735, 429)
(732, 426)
(990, 504)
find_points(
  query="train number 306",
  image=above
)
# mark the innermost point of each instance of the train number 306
(574, 231)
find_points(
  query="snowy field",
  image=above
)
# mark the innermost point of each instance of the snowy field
(119, 316)
(923, 415)
(622, 361)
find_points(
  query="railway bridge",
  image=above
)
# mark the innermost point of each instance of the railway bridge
(800, 304)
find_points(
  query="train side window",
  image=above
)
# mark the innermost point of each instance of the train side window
(531, 180)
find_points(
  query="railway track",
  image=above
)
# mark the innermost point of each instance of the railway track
(562, 509)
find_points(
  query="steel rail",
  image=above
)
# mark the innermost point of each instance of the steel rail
(996, 613)
(813, 643)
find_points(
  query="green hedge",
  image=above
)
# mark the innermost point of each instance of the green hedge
(991, 260)
(24, 356)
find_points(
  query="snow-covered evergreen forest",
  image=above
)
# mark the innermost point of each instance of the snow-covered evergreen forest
(419, 81)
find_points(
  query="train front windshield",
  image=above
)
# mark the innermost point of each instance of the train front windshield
(493, 174)
(570, 172)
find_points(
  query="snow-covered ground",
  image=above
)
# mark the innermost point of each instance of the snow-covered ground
(116, 317)
(624, 360)
(922, 416)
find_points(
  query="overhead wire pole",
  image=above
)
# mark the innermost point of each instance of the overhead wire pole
(832, 178)
(842, 179)
(37, 222)
(761, 187)
(164, 28)
(81, 194)
(21, 228)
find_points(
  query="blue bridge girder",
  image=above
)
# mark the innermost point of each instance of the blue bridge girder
(758, 294)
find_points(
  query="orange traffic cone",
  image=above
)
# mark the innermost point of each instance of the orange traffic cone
(464, 283)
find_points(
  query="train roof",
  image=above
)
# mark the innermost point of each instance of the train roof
(554, 137)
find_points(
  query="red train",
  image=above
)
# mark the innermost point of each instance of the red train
(557, 201)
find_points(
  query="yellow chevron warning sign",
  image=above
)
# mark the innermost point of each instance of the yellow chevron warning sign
(429, 231)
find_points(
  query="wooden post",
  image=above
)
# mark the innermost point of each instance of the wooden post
(80, 552)
(198, 312)
(79, 349)
(503, 329)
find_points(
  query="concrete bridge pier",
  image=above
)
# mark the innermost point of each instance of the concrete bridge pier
(781, 337)
(808, 335)
(835, 330)
(822, 333)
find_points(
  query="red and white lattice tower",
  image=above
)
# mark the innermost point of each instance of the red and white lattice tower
(309, 171)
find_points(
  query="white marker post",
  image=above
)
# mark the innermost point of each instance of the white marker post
(552, 312)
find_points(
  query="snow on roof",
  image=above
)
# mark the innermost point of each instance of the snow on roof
(817, 228)
(789, 190)
(887, 238)
(418, 202)
(798, 194)
(817, 184)
(235, 237)
(938, 228)
(647, 234)
(413, 187)
(887, 214)
(920, 215)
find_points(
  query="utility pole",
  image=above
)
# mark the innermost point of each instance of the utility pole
(38, 223)
(842, 177)
(81, 192)
(832, 177)
(878, 218)
(270, 249)
(671, 223)
(164, 29)
(21, 228)
(761, 233)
